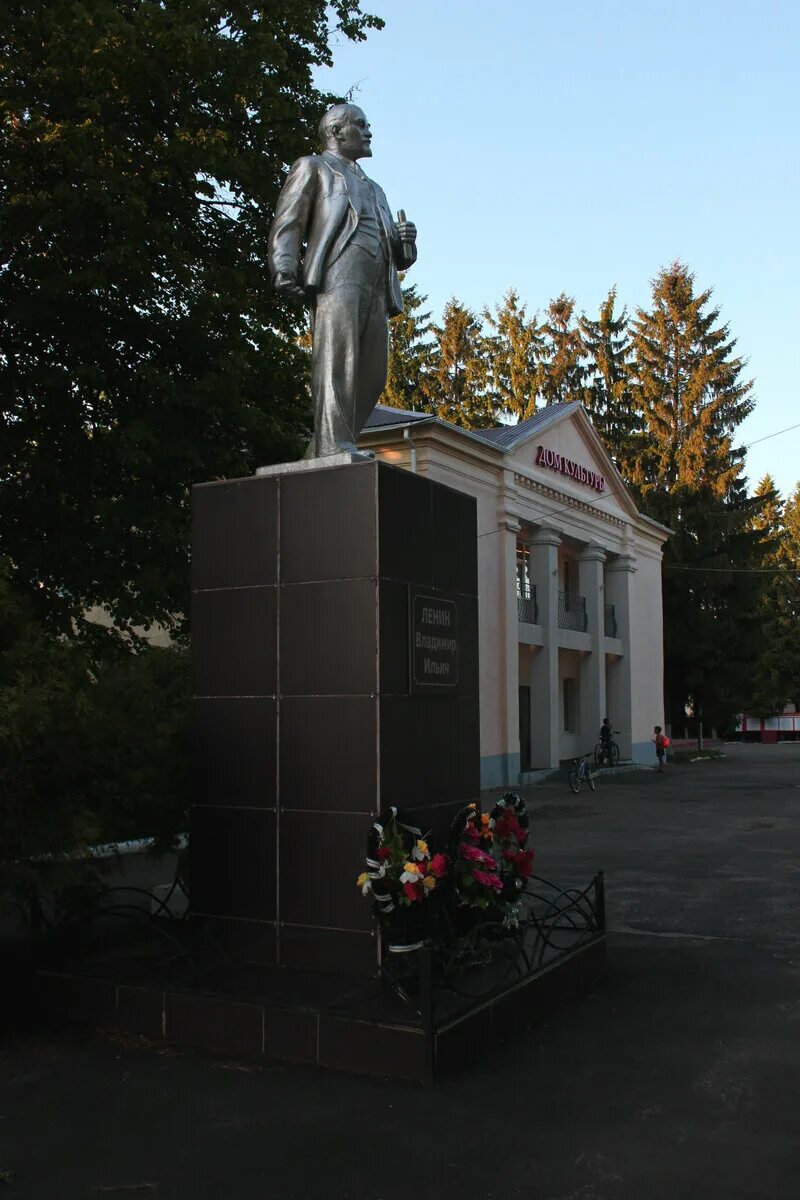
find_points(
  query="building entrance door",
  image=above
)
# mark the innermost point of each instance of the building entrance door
(525, 729)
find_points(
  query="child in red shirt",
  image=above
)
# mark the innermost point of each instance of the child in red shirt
(662, 741)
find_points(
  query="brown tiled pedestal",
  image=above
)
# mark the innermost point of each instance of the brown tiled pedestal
(311, 712)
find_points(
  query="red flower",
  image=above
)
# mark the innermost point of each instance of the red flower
(470, 831)
(485, 880)
(524, 863)
(508, 827)
(413, 890)
(384, 853)
(438, 866)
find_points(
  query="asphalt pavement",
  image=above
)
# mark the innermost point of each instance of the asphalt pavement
(677, 1078)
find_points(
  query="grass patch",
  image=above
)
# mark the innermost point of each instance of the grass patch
(687, 756)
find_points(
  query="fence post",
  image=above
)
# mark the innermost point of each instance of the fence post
(600, 900)
(426, 1010)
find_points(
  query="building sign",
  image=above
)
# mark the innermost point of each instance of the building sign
(434, 643)
(557, 462)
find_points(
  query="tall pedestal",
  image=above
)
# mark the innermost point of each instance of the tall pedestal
(335, 673)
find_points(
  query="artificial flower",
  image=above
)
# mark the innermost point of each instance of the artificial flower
(473, 854)
(384, 853)
(420, 850)
(438, 865)
(364, 883)
(413, 891)
(524, 863)
(508, 827)
(471, 831)
(429, 883)
(486, 880)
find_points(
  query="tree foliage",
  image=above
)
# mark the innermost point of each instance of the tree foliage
(688, 385)
(607, 395)
(514, 347)
(776, 677)
(92, 747)
(455, 384)
(563, 371)
(144, 145)
(689, 474)
(409, 352)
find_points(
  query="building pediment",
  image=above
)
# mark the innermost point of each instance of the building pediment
(559, 448)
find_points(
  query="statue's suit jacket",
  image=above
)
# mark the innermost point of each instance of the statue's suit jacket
(316, 206)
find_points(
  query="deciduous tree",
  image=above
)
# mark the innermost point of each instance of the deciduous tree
(143, 147)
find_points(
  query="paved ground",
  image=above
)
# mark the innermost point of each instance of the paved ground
(676, 1080)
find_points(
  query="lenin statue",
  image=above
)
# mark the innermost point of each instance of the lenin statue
(337, 221)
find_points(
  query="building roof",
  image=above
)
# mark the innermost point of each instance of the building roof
(383, 415)
(501, 437)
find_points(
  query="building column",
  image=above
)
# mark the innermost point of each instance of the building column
(593, 664)
(545, 715)
(619, 580)
(510, 529)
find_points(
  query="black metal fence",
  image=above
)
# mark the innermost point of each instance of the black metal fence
(527, 608)
(572, 611)
(443, 979)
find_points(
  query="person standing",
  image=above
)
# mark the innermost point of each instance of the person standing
(661, 742)
(348, 277)
(605, 742)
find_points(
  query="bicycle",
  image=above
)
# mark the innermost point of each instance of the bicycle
(610, 754)
(580, 773)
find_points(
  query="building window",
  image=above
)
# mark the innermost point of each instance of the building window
(569, 695)
(523, 571)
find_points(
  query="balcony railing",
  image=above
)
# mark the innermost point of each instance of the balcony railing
(527, 608)
(610, 621)
(571, 611)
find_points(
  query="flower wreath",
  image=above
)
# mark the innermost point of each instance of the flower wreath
(510, 827)
(476, 882)
(401, 874)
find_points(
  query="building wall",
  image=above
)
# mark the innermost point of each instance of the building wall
(647, 653)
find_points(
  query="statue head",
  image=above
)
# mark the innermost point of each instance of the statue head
(345, 130)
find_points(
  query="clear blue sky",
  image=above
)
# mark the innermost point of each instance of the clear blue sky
(576, 144)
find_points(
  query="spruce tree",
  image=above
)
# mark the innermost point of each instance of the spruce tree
(769, 517)
(514, 348)
(688, 385)
(409, 353)
(690, 477)
(777, 675)
(607, 396)
(456, 386)
(562, 371)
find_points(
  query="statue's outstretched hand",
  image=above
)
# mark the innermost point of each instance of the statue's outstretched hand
(287, 285)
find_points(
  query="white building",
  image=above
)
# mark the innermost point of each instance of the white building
(570, 618)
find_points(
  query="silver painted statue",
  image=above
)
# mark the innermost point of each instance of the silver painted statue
(348, 279)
